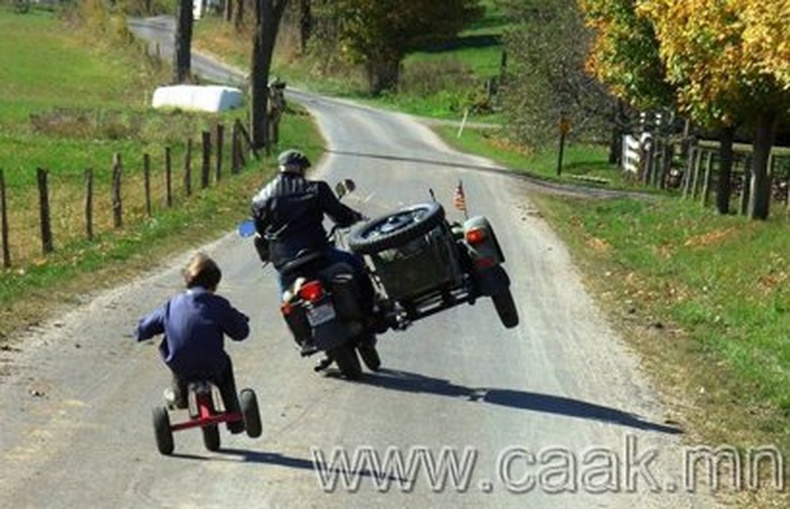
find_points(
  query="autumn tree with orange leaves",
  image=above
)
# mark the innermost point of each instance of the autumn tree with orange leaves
(726, 61)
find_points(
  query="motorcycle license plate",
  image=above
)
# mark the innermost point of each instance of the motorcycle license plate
(320, 314)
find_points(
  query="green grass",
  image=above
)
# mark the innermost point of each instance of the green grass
(44, 66)
(722, 282)
(91, 102)
(581, 163)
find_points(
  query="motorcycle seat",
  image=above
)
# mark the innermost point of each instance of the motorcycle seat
(301, 261)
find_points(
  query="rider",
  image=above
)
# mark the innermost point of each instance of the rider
(194, 324)
(289, 213)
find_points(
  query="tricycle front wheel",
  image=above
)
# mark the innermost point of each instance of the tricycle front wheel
(162, 431)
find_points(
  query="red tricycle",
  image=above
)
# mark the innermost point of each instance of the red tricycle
(207, 413)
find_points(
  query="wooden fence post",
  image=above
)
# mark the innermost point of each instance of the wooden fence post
(4, 222)
(220, 143)
(205, 169)
(234, 148)
(688, 174)
(248, 139)
(787, 196)
(188, 169)
(168, 178)
(46, 223)
(708, 178)
(147, 183)
(746, 189)
(89, 203)
(647, 161)
(667, 152)
(117, 204)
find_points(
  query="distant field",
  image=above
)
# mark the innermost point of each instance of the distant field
(45, 65)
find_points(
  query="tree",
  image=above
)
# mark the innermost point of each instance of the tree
(305, 23)
(182, 56)
(379, 33)
(546, 80)
(766, 36)
(625, 54)
(268, 14)
(722, 79)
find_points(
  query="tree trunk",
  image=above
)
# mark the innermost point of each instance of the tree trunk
(182, 56)
(383, 74)
(305, 24)
(616, 146)
(228, 12)
(724, 184)
(268, 14)
(238, 14)
(760, 197)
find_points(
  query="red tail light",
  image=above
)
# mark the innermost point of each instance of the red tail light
(311, 291)
(475, 235)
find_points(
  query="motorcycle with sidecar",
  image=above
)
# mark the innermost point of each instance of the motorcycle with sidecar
(420, 264)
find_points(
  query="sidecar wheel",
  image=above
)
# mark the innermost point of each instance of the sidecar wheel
(396, 229)
(506, 308)
(252, 416)
(162, 431)
(345, 357)
(211, 437)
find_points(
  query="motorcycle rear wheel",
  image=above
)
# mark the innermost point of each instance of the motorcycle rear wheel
(345, 356)
(370, 356)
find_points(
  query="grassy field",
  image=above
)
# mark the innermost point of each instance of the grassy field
(67, 104)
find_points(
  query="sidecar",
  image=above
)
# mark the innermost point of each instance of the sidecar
(425, 264)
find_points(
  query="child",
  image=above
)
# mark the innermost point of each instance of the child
(194, 324)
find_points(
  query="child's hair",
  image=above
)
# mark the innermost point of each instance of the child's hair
(202, 271)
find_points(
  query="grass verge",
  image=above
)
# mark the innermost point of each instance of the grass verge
(704, 298)
(99, 108)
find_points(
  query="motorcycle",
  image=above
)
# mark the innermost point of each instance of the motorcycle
(324, 307)
(419, 263)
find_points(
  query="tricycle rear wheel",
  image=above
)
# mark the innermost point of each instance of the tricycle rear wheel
(211, 437)
(162, 431)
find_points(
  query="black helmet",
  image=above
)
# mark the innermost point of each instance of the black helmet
(291, 158)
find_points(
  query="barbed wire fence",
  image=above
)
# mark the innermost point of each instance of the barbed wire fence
(66, 208)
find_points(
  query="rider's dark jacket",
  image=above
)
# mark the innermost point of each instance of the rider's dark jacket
(289, 213)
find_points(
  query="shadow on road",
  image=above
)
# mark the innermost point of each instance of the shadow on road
(537, 183)
(523, 400)
(319, 464)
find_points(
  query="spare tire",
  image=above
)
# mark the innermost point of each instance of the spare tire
(396, 229)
